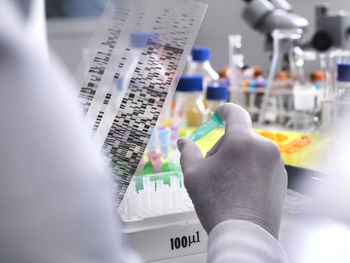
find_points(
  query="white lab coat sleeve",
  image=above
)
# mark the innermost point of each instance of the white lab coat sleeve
(242, 241)
(56, 201)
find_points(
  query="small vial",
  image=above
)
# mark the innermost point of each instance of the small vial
(152, 143)
(174, 134)
(236, 60)
(164, 142)
(153, 156)
(174, 155)
(161, 128)
(316, 77)
(342, 97)
(206, 127)
(304, 97)
(304, 105)
(173, 138)
(216, 94)
(157, 166)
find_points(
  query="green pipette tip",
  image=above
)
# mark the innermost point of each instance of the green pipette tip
(206, 127)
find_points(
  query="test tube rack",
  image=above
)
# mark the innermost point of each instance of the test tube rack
(155, 195)
(159, 219)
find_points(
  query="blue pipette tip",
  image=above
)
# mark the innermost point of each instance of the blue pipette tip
(206, 127)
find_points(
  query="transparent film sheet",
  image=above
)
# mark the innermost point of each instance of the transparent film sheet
(137, 54)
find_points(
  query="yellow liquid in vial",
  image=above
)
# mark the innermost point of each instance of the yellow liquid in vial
(195, 112)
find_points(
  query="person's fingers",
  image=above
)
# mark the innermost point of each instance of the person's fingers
(215, 148)
(190, 153)
(234, 116)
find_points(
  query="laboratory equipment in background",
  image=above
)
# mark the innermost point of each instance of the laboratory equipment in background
(188, 108)
(331, 39)
(332, 29)
(304, 115)
(284, 42)
(217, 93)
(200, 65)
(342, 97)
(266, 16)
(164, 136)
(316, 78)
(329, 66)
(236, 62)
(253, 86)
(224, 76)
(284, 94)
(287, 98)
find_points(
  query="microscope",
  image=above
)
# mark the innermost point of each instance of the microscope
(332, 27)
(265, 16)
(271, 16)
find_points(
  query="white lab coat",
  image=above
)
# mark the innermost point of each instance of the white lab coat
(55, 196)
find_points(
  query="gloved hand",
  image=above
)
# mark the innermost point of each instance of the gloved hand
(241, 177)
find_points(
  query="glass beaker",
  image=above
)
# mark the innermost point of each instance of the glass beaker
(329, 62)
(236, 60)
(284, 43)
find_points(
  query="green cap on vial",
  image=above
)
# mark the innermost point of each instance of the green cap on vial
(206, 127)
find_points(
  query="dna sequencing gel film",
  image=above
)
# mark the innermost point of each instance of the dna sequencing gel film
(139, 50)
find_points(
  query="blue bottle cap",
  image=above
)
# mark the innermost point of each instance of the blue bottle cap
(344, 71)
(200, 53)
(253, 84)
(217, 92)
(139, 39)
(190, 84)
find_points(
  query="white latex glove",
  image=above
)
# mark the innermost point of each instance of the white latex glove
(242, 176)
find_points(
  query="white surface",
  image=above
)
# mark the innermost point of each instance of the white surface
(306, 238)
(198, 258)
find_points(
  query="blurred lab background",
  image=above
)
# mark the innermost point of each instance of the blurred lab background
(71, 24)
(295, 84)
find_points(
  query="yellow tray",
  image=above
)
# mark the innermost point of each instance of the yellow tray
(306, 156)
